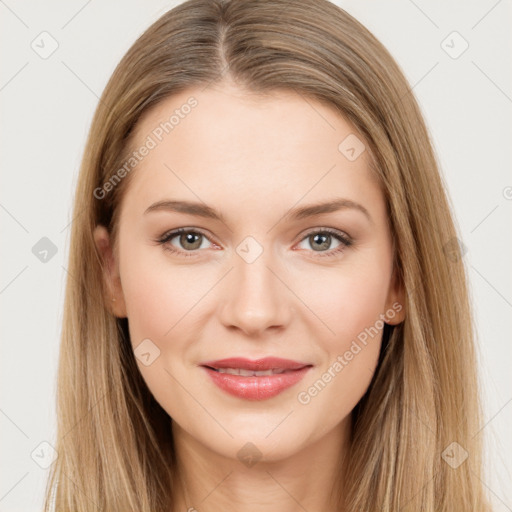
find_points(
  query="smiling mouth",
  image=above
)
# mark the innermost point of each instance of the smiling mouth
(251, 373)
(261, 379)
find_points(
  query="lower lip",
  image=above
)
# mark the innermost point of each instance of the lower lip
(256, 388)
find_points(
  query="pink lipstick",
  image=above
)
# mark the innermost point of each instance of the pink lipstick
(255, 380)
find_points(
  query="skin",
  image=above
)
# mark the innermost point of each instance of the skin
(253, 159)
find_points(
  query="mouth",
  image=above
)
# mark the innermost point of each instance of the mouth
(255, 380)
(250, 373)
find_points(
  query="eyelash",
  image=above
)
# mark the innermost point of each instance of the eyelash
(344, 239)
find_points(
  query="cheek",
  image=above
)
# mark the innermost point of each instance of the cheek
(348, 301)
(158, 299)
(354, 316)
(157, 294)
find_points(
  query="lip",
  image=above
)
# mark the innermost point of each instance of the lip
(256, 387)
(265, 363)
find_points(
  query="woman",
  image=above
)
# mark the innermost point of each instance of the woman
(267, 305)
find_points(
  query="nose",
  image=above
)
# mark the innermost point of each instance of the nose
(255, 300)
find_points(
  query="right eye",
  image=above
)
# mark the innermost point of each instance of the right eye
(188, 240)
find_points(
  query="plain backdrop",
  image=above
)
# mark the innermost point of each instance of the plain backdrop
(47, 105)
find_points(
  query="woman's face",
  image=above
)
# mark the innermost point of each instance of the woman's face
(258, 273)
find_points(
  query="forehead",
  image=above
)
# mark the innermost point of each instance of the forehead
(226, 115)
(223, 142)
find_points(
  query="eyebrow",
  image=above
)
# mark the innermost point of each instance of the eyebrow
(302, 212)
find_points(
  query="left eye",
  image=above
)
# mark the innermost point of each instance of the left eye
(320, 241)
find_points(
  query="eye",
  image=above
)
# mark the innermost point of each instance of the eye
(187, 241)
(321, 242)
(184, 241)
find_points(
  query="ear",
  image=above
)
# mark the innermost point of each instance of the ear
(112, 282)
(395, 302)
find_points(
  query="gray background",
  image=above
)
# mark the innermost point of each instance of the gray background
(47, 106)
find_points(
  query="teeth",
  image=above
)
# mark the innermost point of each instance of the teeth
(249, 373)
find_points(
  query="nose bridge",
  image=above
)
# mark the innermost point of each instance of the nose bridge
(256, 299)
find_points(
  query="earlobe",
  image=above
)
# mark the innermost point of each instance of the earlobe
(113, 292)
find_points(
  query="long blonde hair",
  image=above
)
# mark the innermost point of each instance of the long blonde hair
(114, 442)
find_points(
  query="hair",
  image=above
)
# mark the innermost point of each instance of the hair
(114, 441)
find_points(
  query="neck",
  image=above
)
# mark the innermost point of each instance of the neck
(309, 479)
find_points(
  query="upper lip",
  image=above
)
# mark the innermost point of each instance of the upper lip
(266, 363)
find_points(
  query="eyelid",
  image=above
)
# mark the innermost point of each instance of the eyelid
(324, 229)
(345, 240)
(172, 233)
